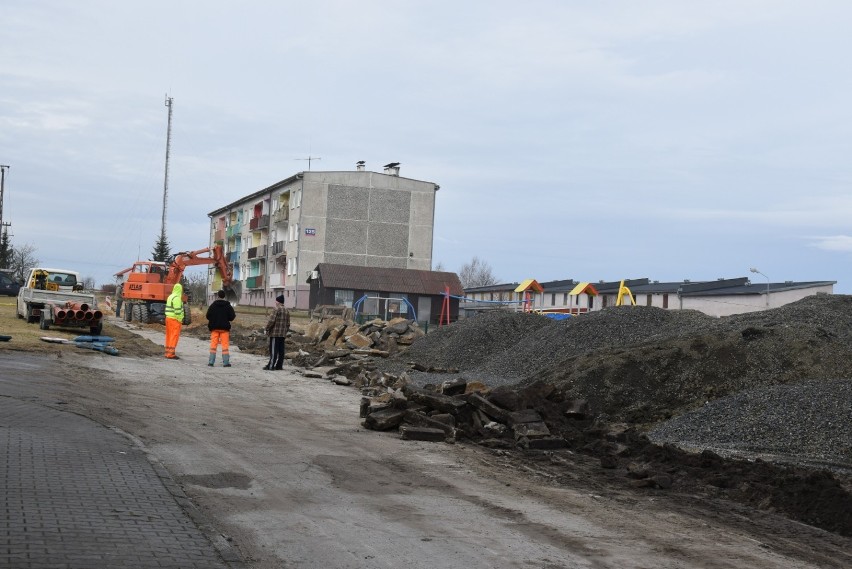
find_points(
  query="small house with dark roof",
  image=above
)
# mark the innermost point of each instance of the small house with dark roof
(385, 292)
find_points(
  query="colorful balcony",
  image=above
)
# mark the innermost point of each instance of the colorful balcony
(258, 223)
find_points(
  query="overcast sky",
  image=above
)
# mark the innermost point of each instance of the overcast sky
(666, 139)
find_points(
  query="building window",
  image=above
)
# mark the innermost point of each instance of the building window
(553, 299)
(649, 302)
(344, 297)
(665, 301)
(395, 306)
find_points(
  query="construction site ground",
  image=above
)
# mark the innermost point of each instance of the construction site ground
(283, 471)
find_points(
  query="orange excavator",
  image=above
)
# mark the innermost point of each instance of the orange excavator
(149, 283)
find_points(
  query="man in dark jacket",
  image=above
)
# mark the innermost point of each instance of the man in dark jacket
(276, 329)
(220, 314)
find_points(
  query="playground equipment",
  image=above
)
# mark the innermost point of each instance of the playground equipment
(622, 292)
(384, 305)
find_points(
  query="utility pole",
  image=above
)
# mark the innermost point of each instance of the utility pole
(3, 169)
(169, 104)
(4, 232)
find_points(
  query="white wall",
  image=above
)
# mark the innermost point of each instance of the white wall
(725, 305)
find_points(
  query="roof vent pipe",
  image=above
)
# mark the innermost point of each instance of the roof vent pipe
(392, 169)
(359, 165)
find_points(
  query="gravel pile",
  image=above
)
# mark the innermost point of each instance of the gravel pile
(811, 420)
(773, 381)
(472, 342)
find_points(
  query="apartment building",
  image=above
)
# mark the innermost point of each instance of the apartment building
(276, 236)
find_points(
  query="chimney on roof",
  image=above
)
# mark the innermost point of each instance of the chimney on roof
(359, 165)
(392, 169)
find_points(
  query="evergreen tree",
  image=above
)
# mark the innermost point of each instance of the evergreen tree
(5, 251)
(162, 251)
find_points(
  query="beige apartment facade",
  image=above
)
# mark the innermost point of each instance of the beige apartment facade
(275, 237)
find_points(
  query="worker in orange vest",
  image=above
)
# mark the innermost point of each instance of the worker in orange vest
(174, 320)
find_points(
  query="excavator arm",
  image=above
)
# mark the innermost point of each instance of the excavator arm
(207, 256)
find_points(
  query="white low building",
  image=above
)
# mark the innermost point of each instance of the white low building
(721, 297)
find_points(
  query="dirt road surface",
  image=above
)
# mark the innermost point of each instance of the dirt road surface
(283, 470)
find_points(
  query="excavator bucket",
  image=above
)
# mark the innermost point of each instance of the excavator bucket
(233, 293)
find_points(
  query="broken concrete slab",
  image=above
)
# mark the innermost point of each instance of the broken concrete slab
(325, 370)
(418, 418)
(338, 353)
(358, 340)
(454, 386)
(413, 433)
(435, 400)
(487, 407)
(397, 326)
(531, 430)
(384, 419)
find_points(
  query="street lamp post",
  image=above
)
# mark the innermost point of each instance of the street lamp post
(767, 284)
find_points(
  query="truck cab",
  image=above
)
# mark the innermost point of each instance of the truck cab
(57, 280)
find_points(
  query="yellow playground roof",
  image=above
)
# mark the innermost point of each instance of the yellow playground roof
(588, 288)
(530, 284)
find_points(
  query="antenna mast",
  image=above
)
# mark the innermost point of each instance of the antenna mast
(309, 159)
(169, 104)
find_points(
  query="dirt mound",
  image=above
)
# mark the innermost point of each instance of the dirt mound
(645, 364)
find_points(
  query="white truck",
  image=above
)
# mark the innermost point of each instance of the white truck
(55, 297)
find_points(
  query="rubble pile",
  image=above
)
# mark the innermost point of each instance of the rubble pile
(332, 339)
(338, 340)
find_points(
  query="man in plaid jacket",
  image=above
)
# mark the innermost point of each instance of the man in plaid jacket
(276, 329)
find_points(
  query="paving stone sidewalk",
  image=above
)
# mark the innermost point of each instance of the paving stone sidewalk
(78, 495)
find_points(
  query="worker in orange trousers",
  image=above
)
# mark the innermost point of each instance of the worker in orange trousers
(219, 315)
(174, 320)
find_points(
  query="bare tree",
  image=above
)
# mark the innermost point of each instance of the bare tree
(476, 273)
(89, 282)
(22, 260)
(439, 267)
(195, 285)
